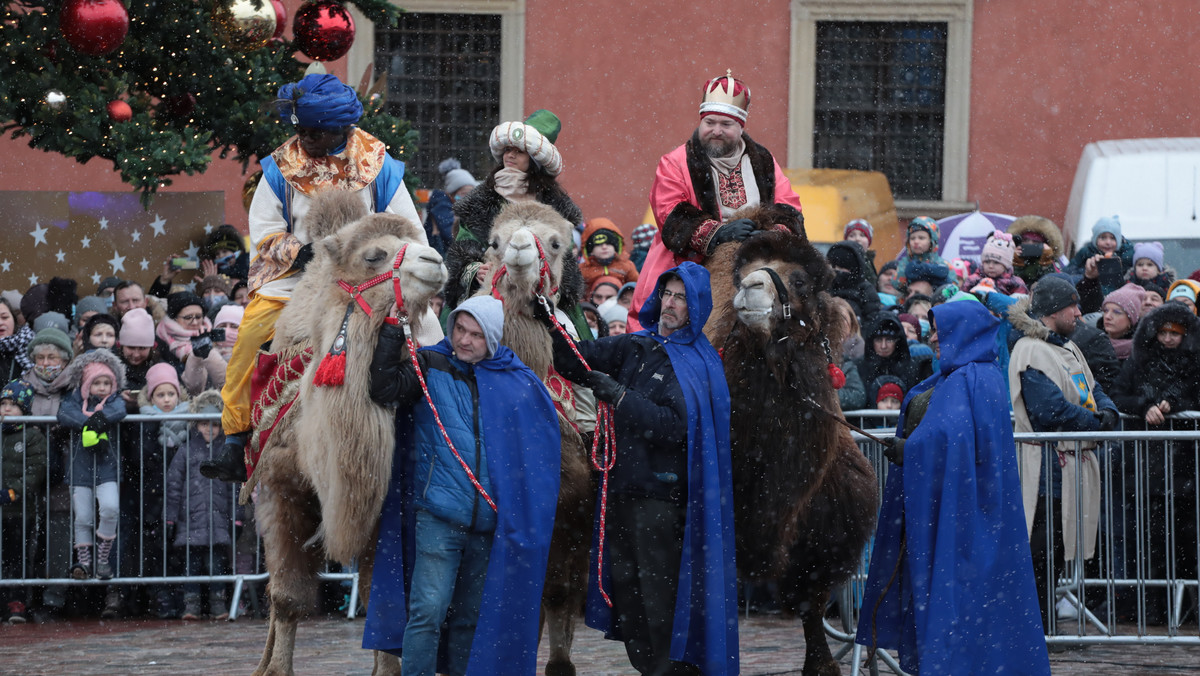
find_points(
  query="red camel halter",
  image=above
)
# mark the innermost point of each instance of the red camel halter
(604, 449)
(543, 275)
(402, 312)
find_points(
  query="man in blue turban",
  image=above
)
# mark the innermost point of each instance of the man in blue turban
(327, 153)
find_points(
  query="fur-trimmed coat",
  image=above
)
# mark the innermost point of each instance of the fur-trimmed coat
(476, 212)
(1153, 373)
(99, 463)
(688, 226)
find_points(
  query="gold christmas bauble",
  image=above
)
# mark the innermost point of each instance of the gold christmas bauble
(242, 26)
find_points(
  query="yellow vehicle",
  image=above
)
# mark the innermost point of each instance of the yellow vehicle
(830, 198)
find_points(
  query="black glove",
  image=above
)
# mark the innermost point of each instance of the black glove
(1109, 419)
(97, 422)
(604, 387)
(893, 450)
(303, 257)
(202, 345)
(733, 231)
(541, 313)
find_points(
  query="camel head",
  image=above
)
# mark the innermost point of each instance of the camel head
(783, 283)
(516, 234)
(368, 247)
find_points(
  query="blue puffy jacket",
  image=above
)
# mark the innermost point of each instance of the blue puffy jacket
(442, 485)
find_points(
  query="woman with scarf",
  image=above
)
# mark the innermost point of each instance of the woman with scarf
(13, 360)
(184, 341)
(528, 168)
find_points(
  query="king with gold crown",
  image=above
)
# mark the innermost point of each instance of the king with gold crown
(700, 185)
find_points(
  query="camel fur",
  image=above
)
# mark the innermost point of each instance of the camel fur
(326, 468)
(805, 495)
(513, 247)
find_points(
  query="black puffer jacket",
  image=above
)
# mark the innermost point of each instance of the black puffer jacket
(476, 212)
(651, 418)
(853, 285)
(899, 364)
(1153, 373)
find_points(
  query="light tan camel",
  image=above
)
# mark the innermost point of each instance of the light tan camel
(325, 472)
(528, 245)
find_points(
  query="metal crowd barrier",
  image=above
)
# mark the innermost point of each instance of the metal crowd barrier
(1141, 586)
(37, 532)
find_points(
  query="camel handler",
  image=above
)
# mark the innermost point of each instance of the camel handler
(327, 153)
(701, 184)
(465, 531)
(668, 515)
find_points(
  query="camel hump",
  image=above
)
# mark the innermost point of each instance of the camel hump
(331, 210)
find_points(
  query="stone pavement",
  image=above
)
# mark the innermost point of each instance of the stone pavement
(771, 646)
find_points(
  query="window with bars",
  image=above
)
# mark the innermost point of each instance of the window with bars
(881, 102)
(443, 75)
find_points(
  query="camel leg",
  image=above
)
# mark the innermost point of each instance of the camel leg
(289, 516)
(818, 660)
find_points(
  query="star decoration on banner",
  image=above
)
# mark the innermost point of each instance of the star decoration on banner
(60, 256)
(137, 236)
(86, 242)
(191, 286)
(5, 265)
(96, 278)
(208, 228)
(192, 250)
(33, 279)
(104, 224)
(117, 262)
(39, 234)
(157, 225)
(145, 264)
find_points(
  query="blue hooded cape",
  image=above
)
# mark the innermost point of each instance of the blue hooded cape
(705, 625)
(963, 599)
(520, 429)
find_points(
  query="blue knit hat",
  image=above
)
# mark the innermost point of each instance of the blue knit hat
(21, 394)
(319, 101)
(1109, 224)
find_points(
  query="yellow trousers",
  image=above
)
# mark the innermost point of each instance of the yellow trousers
(258, 326)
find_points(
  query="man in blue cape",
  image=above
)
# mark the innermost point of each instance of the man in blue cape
(951, 579)
(668, 538)
(445, 554)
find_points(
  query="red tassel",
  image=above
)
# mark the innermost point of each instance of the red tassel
(332, 371)
(837, 377)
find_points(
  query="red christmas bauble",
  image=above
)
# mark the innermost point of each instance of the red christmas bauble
(94, 27)
(324, 30)
(119, 111)
(280, 18)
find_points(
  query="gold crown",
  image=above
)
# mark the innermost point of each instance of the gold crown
(726, 95)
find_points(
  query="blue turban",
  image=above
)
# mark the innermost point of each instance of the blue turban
(319, 101)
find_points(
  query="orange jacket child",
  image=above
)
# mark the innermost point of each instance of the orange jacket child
(602, 234)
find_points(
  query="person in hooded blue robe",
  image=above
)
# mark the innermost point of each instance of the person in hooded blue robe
(668, 558)
(950, 585)
(457, 584)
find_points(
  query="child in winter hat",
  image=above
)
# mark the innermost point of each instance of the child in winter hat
(859, 231)
(921, 247)
(604, 253)
(137, 328)
(997, 265)
(456, 178)
(163, 396)
(1148, 265)
(643, 237)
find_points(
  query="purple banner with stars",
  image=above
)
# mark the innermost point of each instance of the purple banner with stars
(88, 236)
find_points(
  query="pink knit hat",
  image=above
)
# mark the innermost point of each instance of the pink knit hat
(1129, 298)
(999, 249)
(159, 374)
(137, 328)
(91, 371)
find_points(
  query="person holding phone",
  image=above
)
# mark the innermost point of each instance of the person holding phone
(1039, 244)
(1107, 242)
(187, 343)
